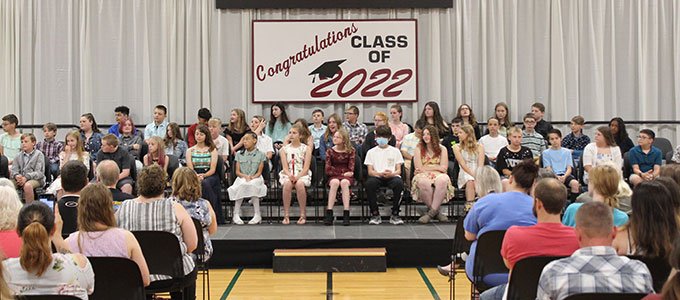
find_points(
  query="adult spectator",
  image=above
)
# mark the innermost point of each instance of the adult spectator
(159, 125)
(595, 267)
(603, 187)
(623, 193)
(10, 205)
(73, 180)
(152, 212)
(602, 150)
(674, 189)
(500, 211)
(107, 173)
(645, 159)
(618, 129)
(120, 112)
(671, 290)
(547, 238)
(110, 150)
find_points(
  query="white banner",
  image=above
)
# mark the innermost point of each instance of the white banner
(335, 61)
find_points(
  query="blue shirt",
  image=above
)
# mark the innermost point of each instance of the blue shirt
(647, 161)
(317, 134)
(620, 218)
(497, 212)
(114, 129)
(153, 130)
(557, 160)
(325, 145)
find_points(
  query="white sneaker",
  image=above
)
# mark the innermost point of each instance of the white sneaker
(396, 220)
(375, 220)
(237, 220)
(255, 220)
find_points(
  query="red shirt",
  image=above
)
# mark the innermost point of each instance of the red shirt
(190, 133)
(10, 244)
(542, 239)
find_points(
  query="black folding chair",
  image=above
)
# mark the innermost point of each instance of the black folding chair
(117, 278)
(627, 167)
(4, 166)
(163, 257)
(606, 296)
(310, 189)
(460, 245)
(48, 297)
(488, 259)
(173, 164)
(202, 267)
(658, 267)
(528, 270)
(663, 144)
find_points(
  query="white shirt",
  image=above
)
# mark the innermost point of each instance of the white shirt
(264, 144)
(222, 145)
(493, 145)
(383, 159)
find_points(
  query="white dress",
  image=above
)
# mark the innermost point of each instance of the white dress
(471, 162)
(248, 163)
(296, 162)
(56, 184)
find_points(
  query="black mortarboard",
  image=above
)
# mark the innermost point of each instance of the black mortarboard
(327, 69)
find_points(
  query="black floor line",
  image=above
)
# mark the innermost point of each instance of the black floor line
(329, 286)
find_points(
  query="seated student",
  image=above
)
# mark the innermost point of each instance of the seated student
(379, 119)
(408, 148)
(130, 142)
(431, 183)
(249, 184)
(156, 155)
(432, 116)
(73, 150)
(384, 169)
(279, 124)
(174, 144)
(51, 148)
(595, 267)
(318, 128)
(97, 233)
(10, 205)
(532, 139)
(500, 211)
(357, 130)
(159, 125)
(340, 171)
(90, 134)
(73, 180)
(295, 173)
(465, 113)
(676, 155)
(559, 160)
(120, 112)
(451, 140)
(38, 271)
(10, 141)
(618, 129)
(107, 174)
(603, 149)
(204, 116)
(264, 142)
(399, 129)
(576, 141)
(645, 159)
(493, 142)
(221, 143)
(547, 238)
(470, 156)
(305, 135)
(603, 186)
(202, 158)
(28, 169)
(542, 126)
(334, 123)
(235, 130)
(502, 113)
(110, 150)
(511, 155)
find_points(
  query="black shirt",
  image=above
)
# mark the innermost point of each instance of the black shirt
(543, 127)
(507, 159)
(68, 209)
(120, 196)
(448, 142)
(625, 145)
(120, 156)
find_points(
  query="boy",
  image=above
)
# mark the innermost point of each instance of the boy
(317, 129)
(384, 169)
(532, 139)
(408, 147)
(110, 150)
(28, 169)
(121, 112)
(645, 158)
(451, 140)
(357, 130)
(203, 116)
(542, 126)
(576, 141)
(222, 144)
(511, 155)
(159, 126)
(51, 148)
(493, 142)
(10, 141)
(559, 160)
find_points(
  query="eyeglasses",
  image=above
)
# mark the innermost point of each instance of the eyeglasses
(5, 124)
(529, 121)
(349, 113)
(642, 137)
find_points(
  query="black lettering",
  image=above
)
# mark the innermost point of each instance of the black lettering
(378, 42)
(402, 41)
(389, 41)
(356, 43)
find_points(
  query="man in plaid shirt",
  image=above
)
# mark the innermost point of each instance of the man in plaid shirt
(51, 148)
(595, 268)
(357, 130)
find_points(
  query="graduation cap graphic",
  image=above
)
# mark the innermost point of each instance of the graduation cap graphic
(327, 69)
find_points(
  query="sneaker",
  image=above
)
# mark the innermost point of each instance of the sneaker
(375, 220)
(396, 220)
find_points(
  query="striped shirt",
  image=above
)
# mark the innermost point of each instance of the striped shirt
(200, 159)
(535, 142)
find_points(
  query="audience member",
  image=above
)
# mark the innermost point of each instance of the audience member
(451, 140)
(542, 126)
(357, 130)
(235, 130)
(107, 174)
(671, 289)
(465, 113)
(431, 184)
(174, 144)
(493, 142)
(279, 124)
(110, 150)
(317, 128)
(4, 289)
(502, 113)
(674, 188)
(90, 134)
(672, 171)
(618, 130)
(511, 155)
(379, 119)
(576, 141)
(73, 180)
(10, 242)
(159, 125)
(4, 167)
(408, 148)
(399, 129)
(202, 158)
(10, 141)
(51, 148)
(222, 144)
(384, 170)
(595, 267)
(204, 116)
(603, 187)
(129, 141)
(432, 115)
(645, 159)
(28, 169)
(339, 169)
(120, 112)
(334, 123)
(156, 155)
(249, 183)
(623, 193)
(470, 156)
(532, 139)
(560, 161)
(602, 150)
(295, 173)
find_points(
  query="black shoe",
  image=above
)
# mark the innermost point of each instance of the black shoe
(328, 219)
(345, 218)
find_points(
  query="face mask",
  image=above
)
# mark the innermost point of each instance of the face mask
(381, 141)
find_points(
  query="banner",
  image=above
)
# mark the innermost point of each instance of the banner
(335, 61)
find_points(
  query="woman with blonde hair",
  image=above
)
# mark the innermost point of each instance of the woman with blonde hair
(470, 156)
(623, 193)
(10, 205)
(603, 187)
(186, 190)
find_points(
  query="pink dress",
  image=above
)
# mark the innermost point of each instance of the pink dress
(10, 244)
(110, 242)
(399, 132)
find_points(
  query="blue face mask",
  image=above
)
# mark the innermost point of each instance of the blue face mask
(381, 141)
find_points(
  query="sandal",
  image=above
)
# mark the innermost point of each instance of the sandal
(286, 220)
(302, 220)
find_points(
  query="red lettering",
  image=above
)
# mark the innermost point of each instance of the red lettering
(366, 92)
(315, 93)
(388, 91)
(347, 79)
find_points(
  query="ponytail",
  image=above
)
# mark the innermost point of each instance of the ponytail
(671, 289)
(612, 201)
(36, 254)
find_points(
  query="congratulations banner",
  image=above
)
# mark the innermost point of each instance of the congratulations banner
(335, 61)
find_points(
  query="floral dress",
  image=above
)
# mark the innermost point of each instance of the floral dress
(338, 163)
(432, 176)
(296, 162)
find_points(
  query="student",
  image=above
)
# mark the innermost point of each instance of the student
(174, 144)
(202, 158)
(532, 139)
(120, 113)
(204, 116)
(431, 184)
(379, 119)
(249, 163)
(384, 170)
(305, 135)
(559, 160)
(432, 116)
(73, 150)
(399, 129)
(159, 125)
(51, 148)
(493, 142)
(90, 134)
(334, 123)
(465, 113)
(10, 141)
(603, 186)
(235, 130)
(602, 150)
(156, 155)
(645, 159)
(340, 172)
(111, 150)
(511, 155)
(221, 143)
(128, 140)
(73, 180)
(470, 156)
(452, 139)
(28, 169)
(542, 126)
(264, 142)
(279, 124)
(357, 130)
(576, 141)
(408, 147)
(317, 129)
(618, 129)
(295, 173)
(502, 113)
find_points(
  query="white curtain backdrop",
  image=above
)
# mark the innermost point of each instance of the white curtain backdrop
(597, 58)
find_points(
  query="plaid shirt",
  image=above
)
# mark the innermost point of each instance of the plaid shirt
(357, 133)
(51, 150)
(593, 270)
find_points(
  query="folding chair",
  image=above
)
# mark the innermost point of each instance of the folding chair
(663, 144)
(173, 164)
(488, 259)
(117, 278)
(606, 296)
(163, 257)
(202, 266)
(658, 267)
(528, 270)
(460, 245)
(310, 189)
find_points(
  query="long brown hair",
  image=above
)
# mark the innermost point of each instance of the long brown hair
(305, 133)
(434, 139)
(240, 124)
(607, 134)
(472, 118)
(437, 119)
(95, 206)
(34, 224)
(208, 139)
(671, 290)
(653, 222)
(185, 185)
(176, 135)
(504, 122)
(338, 122)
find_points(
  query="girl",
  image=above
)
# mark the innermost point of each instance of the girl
(468, 117)
(433, 117)
(470, 156)
(431, 163)
(399, 129)
(502, 113)
(340, 171)
(74, 150)
(279, 125)
(90, 134)
(334, 123)
(249, 183)
(511, 155)
(127, 138)
(603, 186)
(493, 142)
(603, 149)
(264, 142)
(174, 144)
(156, 155)
(295, 161)
(305, 135)
(236, 129)
(202, 158)
(618, 129)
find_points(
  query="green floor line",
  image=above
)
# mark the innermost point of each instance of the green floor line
(429, 285)
(231, 284)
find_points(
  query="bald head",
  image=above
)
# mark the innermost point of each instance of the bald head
(108, 172)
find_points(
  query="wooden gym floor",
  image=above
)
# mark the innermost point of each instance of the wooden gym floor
(396, 283)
